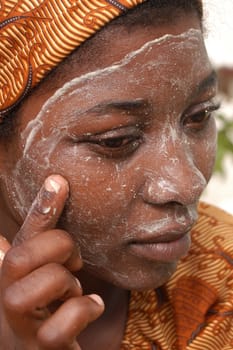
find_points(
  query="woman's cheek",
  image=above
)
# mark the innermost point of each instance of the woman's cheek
(22, 185)
(33, 163)
(204, 150)
(98, 192)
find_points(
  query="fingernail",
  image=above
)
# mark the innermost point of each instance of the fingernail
(97, 299)
(2, 254)
(45, 210)
(78, 283)
(51, 185)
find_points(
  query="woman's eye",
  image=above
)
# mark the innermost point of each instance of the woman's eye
(115, 142)
(197, 120)
(116, 147)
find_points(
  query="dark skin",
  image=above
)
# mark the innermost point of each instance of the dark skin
(120, 183)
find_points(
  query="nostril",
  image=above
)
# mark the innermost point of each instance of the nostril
(175, 204)
(173, 191)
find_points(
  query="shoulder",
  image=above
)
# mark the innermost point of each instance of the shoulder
(201, 290)
(213, 233)
(211, 254)
(214, 216)
(205, 275)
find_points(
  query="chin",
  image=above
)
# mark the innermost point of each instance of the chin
(142, 281)
(141, 278)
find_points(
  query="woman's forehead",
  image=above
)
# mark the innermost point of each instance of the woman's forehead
(164, 57)
(114, 49)
(168, 67)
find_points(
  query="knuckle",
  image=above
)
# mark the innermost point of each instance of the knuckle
(66, 283)
(58, 275)
(66, 240)
(15, 261)
(64, 235)
(49, 338)
(56, 269)
(12, 301)
(45, 339)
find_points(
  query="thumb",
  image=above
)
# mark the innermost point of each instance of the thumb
(45, 210)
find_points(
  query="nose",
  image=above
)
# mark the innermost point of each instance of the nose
(172, 177)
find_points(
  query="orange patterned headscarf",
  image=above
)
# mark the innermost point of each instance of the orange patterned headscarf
(35, 35)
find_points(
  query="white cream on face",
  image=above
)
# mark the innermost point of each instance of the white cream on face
(155, 227)
(177, 42)
(83, 88)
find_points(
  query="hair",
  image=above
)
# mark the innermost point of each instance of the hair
(141, 15)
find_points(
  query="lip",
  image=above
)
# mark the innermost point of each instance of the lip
(166, 248)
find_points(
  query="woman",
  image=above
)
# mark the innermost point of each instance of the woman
(102, 167)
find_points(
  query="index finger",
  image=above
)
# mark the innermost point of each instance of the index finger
(45, 210)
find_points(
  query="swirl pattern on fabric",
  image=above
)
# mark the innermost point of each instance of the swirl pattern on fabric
(35, 35)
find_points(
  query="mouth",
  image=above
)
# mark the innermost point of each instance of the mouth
(168, 246)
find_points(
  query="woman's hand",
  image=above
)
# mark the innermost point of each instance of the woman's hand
(42, 306)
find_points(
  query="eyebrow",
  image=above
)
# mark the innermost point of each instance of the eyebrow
(208, 82)
(139, 105)
(124, 105)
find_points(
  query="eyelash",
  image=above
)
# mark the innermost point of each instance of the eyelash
(116, 143)
(197, 120)
(123, 146)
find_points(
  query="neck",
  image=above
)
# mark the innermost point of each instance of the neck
(106, 332)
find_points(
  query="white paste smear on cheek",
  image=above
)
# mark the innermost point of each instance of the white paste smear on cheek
(175, 161)
(22, 177)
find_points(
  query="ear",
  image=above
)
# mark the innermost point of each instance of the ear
(8, 221)
(5, 155)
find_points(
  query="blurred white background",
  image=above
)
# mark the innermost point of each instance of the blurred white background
(219, 31)
(219, 41)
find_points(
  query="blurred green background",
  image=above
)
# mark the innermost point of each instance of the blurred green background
(225, 142)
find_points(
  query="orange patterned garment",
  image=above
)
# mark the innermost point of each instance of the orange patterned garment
(194, 311)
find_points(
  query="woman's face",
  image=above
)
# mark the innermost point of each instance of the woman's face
(136, 141)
